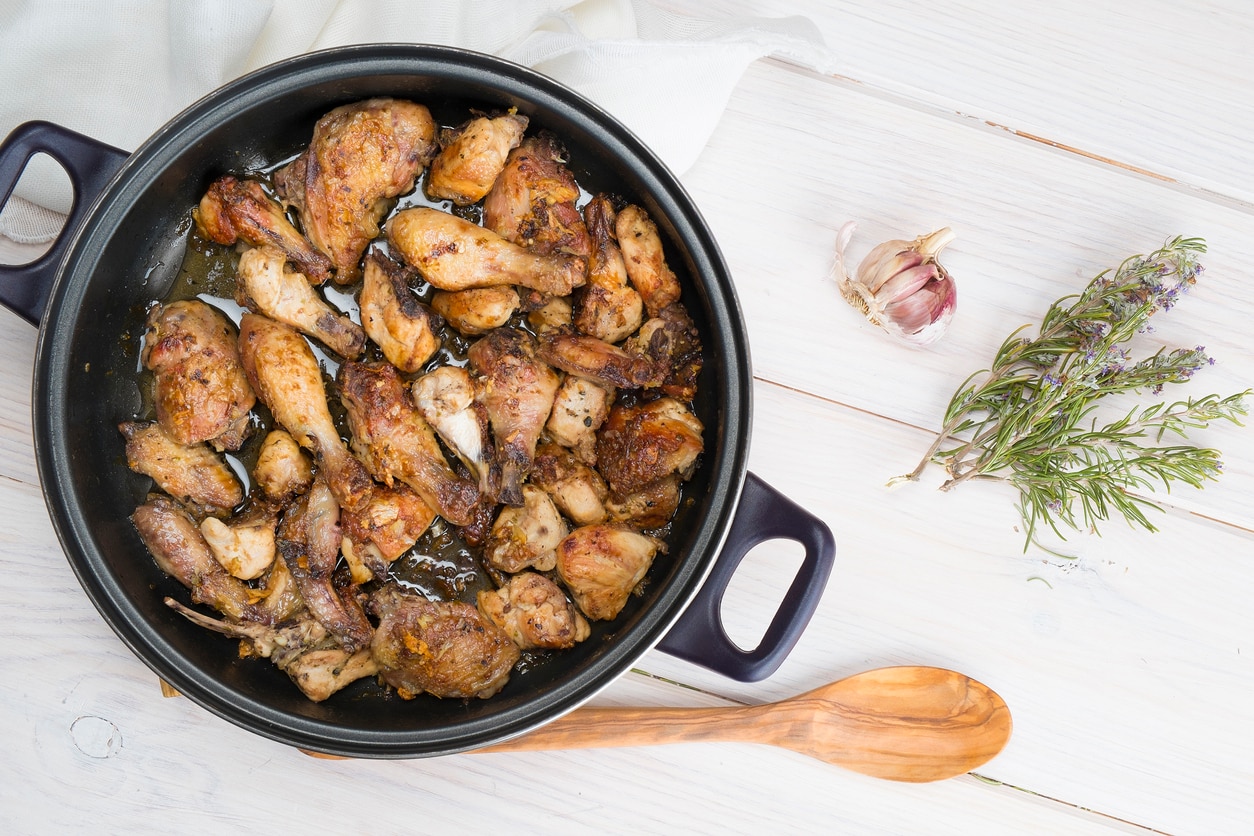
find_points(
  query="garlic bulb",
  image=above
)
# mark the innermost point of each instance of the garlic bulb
(900, 285)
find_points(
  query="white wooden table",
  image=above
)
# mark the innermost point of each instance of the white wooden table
(1055, 138)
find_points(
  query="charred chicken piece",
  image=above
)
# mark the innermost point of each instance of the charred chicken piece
(301, 648)
(444, 648)
(282, 472)
(200, 390)
(241, 210)
(446, 399)
(190, 473)
(517, 389)
(455, 254)
(533, 200)
(650, 507)
(396, 444)
(579, 409)
(670, 341)
(402, 326)
(473, 156)
(597, 360)
(265, 285)
(602, 564)
(534, 612)
(524, 536)
(177, 546)
(478, 310)
(645, 261)
(361, 156)
(383, 529)
(276, 598)
(577, 490)
(606, 307)
(640, 444)
(287, 378)
(309, 543)
(243, 545)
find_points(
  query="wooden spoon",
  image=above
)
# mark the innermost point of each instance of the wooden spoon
(909, 723)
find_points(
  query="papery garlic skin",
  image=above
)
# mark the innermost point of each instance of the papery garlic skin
(900, 285)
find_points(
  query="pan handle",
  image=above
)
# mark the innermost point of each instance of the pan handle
(763, 514)
(90, 164)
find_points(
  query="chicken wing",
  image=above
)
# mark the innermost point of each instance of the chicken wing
(395, 443)
(478, 310)
(597, 360)
(240, 210)
(606, 306)
(601, 565)
(640, 444)
(443, 648)
(190, 473)
(517, 389)
(199, 387)
(455, 254)
(524, 536)
(534, 612)
(264, 285)
(402, 326)
(446, 400)
(645, 260)
(361, 155)
(284, 372)
(533, 200)
(473, 156)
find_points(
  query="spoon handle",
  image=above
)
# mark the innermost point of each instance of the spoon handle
(594, 728)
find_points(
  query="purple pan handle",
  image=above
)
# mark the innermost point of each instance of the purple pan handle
(763, 514)
(90, 164)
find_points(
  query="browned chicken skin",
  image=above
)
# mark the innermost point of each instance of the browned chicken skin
(478, 310)
(402, 326)
(383, 529)
(396, 444)
(190, 473)
(652, 506)
(282, 472)
(597, 360)
(533, 200)
(443, 648)
(640, 444)
(265, 285)
(606, 307)
(534, 612)
(455, 254)
(670, 342)
(517, 388)
(524, 536)
(361, 155)
(646, 263)
(577, 490)
(473, 156)
(240, 210)
(601, 565)
(200, 390)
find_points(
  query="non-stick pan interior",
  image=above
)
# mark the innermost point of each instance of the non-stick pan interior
(127, 254)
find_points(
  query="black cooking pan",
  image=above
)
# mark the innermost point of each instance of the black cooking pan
(121, 249)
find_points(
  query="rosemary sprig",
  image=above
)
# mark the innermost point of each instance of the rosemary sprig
(1029, 418)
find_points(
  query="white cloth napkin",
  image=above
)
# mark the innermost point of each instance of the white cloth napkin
(117, 70)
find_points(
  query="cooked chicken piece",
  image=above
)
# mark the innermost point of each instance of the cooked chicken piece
(553, 315)
(190, 473)
(244, 545)
(533, 200)
(606, 307)
(672, 343)
(176, 544)
(361, 156)
(478, 310)
(301, 648)
(650, 507)
(401, 325)
(534, 612)
(200, 390)
(396, 444)
(446, 400)
(277, 598)
(265, 285)
(443, 648)
(640, 444)
(309, 543)
(282, 471)
(577, 490)
(524, 536)
(517, 389)
(601, 565)
(240, 210)
(473, 156)
(646, 263)
(597, 360)
(455, 254)
(579, 410)
(287, 378)
(383, 529)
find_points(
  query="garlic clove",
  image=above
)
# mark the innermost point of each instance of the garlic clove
(900, 286)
